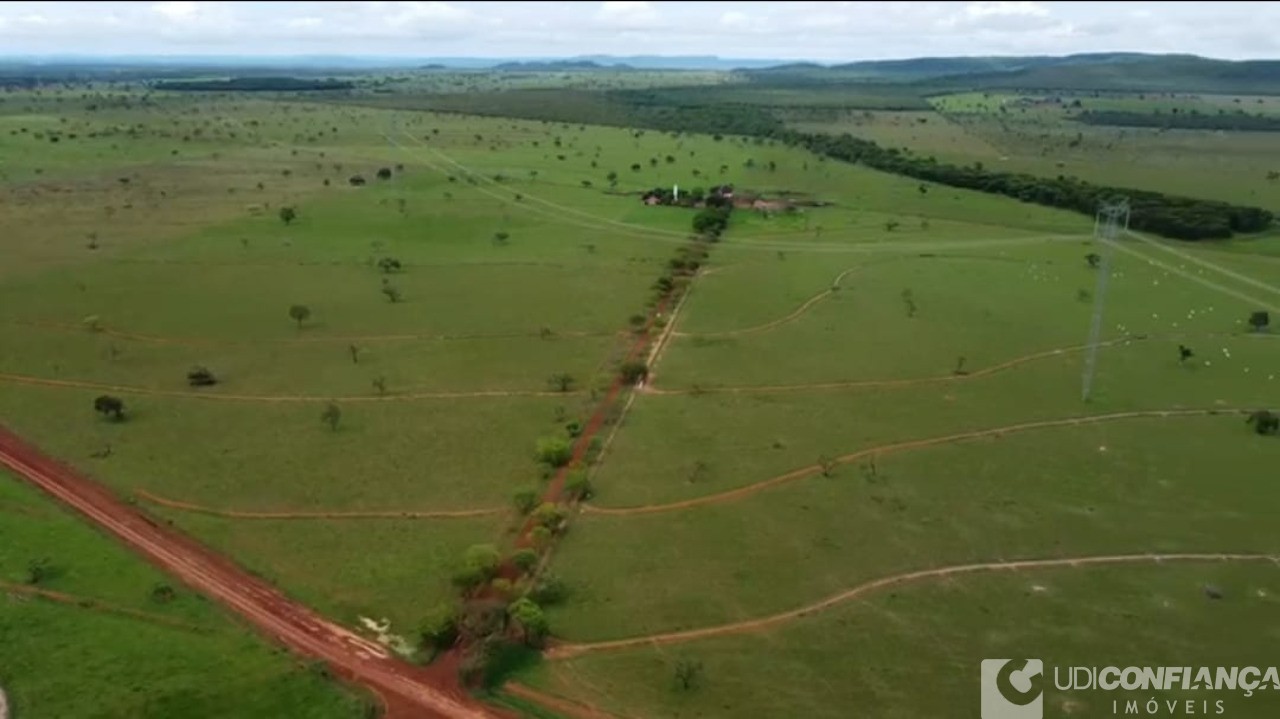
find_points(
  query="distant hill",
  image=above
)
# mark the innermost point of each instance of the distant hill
(556, 66)
(1157, 73)
(1094, 71)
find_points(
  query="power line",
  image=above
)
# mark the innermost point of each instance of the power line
(1111, 220)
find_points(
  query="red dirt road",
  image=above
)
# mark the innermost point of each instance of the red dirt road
(406, 690)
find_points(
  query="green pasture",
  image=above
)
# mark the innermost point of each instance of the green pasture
(915, 650)
(394, 569)
(1033, 134)
(524, 252)
(1114, 488)
(81, 660)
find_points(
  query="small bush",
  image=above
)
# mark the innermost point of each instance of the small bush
(524, 559)
(525, 499)
(577, 485)
(548, 515)
(554, 451)
(439, 628)
(633, 372)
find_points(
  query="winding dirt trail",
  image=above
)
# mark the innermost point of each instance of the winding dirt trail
(950, 377)
(97, 605)
(389, 397)
(389, 514)
(563, 706)
(567, 651)
(407, 690)
(893, 447)
(792, 316)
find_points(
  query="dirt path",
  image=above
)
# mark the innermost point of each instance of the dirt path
(408, 691)
(893, 447)
(668, 331)
(560, 705)
(566, 651)
(794, 315)
(4, 705)
(307, 340)
(950, 377)
(392, 514)
(100, 606)
(389, 397)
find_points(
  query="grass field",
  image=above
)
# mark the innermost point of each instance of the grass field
(132, 655)
(886, 379)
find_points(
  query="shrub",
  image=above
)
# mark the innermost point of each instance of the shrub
(479, 564)
(554, 451)
(439, 628)
(633, 372)
(577, 485)
(524, 559)
(529, 619)
(548, 590)
(525, 499)
(548, 515)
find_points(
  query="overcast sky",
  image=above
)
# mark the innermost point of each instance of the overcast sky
(824, 31)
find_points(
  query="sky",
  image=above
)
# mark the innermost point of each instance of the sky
(820, 31)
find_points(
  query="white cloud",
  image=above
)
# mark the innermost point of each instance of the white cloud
(824, 31)
(1005, 9)
(627, 15)
(177, 10)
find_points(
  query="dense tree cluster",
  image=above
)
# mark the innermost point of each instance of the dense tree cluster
(1183, 218)
(253, 84)
(1233, 121)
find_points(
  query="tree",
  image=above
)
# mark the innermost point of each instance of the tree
(384, 173)
(525, 499)
(109, 406)
(288, 214)
(554, 451)
(1094, 259)
(439, 628)
(479, 564)
(549, 515)
(380, 384)
(1184, 353)
(393, 294)
(561, 381)
(633, 372)
(331, 415)
(891, 225)
(577, 485)
(524, 559)
(389, 265)
(163, 594)
(501, 238)
(299, 314)
(1264, 422)
(355, 353)
(201, 376)
(528, 621)
(712, 220)
(39, 570)
(1259, 320)
(548, 590)
(908, 298)
(358, 180)
(687, 674)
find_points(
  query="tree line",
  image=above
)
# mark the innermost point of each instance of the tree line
(253, 84)
(1234, 121)
(1182, 218)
